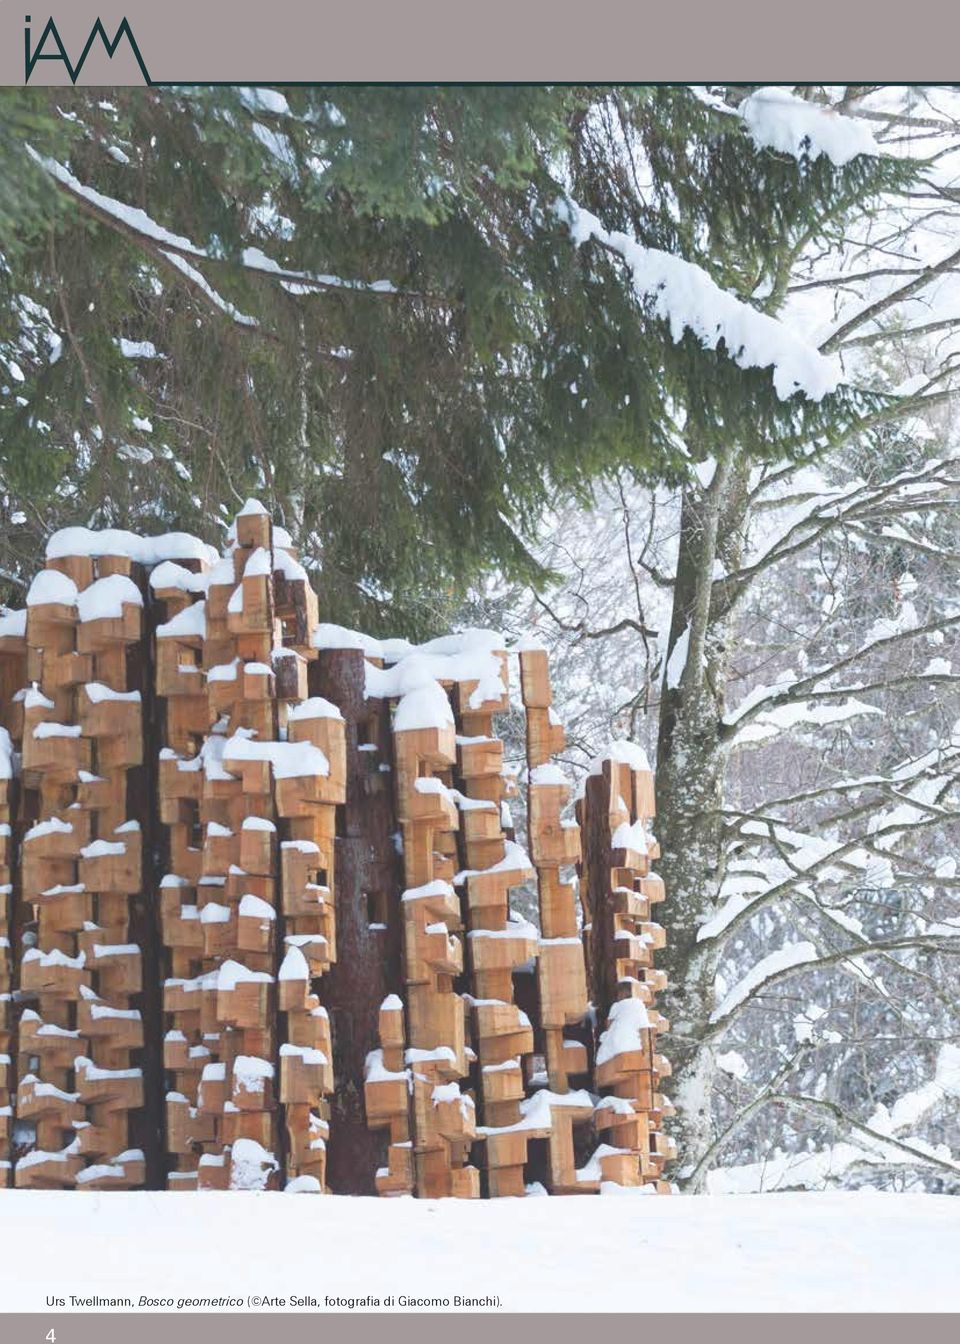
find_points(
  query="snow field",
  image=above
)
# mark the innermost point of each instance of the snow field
(789, 1252)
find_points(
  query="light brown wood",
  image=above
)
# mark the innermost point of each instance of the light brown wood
(165, 728)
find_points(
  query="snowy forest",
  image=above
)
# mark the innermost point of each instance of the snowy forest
(664, 375)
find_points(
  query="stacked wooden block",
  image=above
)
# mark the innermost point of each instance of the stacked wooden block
(198, 783)
(616, 813)
(6, 961)
(249, 782)
(81, 733)
(500, 941)
(443, 1118)
(386, 1090)
(561, 970)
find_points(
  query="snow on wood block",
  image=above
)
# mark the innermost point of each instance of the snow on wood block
(654, 935)
(113, 865)
(219, 926)
(252, 1166)
(177, 672)
(53, 973)
(500, 949)
(391, 1020)
(256, 923)
(180, 922)
(431, 804)
(480, 756)
(186, 1126)
(37, 1100)
(243, 996)
(96, 633)
(315, 947)
(306, 1075)
(213, 1172)
(41, 1170)
(502, 1082)
(454, 1112)
(258, 840)
(104, 712)
(481, 699)
(253, 526)
(625, 1129)
(213, 1090)
(250, 608)
(125, 1172)
(51, 601)
(430, 950)
(317, 721)
(118, 968)
(256, 682)
(188, 719)
(433, 743)
(57, 751)
(179, 779)
(488, 888)
(251, 1083)
(503, 1030)
(78, 568)
(553, 842)
(56, 1047)
(483, 835)
(13, 635)
(102, 793)
(122, 1088)
(303, 864)
(220, 848)
(57, 837)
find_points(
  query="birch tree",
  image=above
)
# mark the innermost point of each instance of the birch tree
(785, 637)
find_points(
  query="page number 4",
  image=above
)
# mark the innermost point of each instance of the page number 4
(51, 1337)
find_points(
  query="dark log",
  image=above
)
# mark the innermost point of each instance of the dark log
(148, 1127)
(596, 895)
(368, 881)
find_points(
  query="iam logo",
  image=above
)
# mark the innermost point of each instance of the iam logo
(50, 47)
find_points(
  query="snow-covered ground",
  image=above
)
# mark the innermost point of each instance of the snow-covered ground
(813, 1252)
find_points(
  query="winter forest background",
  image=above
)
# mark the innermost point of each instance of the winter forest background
(666, 374)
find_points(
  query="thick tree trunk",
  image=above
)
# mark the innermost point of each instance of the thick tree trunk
(149, 1125)
(367, 880)
(691, 763)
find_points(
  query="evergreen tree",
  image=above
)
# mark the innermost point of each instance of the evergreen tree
(366, 306)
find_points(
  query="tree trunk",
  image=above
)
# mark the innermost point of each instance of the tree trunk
(691, 763)
(367, 880)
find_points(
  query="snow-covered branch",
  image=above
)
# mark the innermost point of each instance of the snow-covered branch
(896, 296)
(812, 514)
(766, 699)
(796, 958)
(688, 299)
(180, 251)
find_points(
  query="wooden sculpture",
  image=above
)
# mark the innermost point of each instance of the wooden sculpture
(265, 922)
